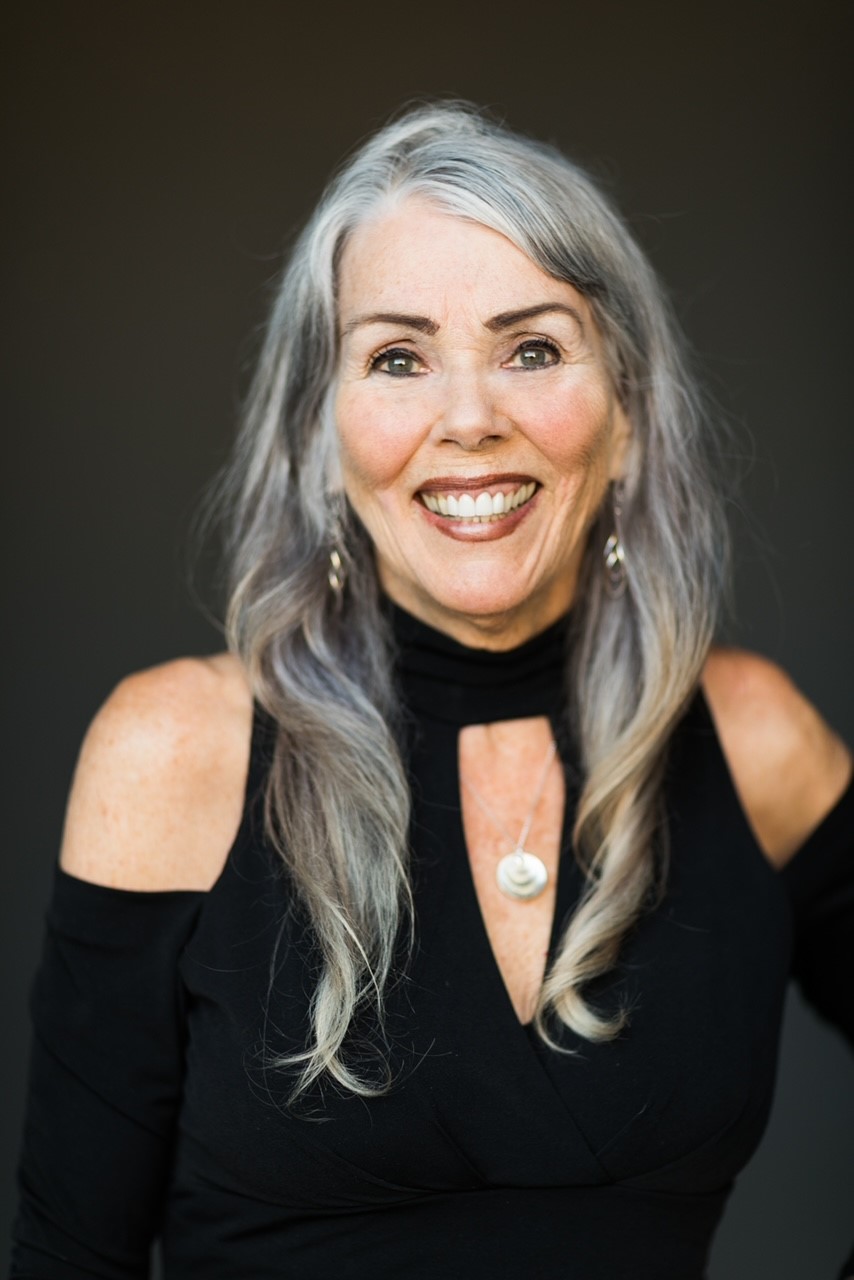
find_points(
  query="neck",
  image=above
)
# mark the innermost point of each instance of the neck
(494, 632)
(444, 679)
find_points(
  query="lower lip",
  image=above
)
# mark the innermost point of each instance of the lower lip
(470, 531)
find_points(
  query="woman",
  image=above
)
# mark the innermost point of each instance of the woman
(329, 877)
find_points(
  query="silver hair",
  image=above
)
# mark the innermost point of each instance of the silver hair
(337, 805)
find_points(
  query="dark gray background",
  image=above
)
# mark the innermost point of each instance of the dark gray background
(159, 155)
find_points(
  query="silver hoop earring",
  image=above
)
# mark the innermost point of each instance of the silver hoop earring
(616, 572)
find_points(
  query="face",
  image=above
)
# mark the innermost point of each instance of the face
(478, 427)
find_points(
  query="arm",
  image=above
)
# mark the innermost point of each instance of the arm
(793, 777)
(154, 807)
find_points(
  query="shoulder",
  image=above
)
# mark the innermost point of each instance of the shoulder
(788, 766)
(158, 790)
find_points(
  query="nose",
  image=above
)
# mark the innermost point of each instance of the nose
(470, 416)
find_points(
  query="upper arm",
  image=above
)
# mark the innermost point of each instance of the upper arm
(158, 790)
(788, 766)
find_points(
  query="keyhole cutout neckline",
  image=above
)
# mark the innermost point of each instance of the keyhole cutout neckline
(447, 686)
(520, 934)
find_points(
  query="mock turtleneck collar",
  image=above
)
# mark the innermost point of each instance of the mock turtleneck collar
(448, 681)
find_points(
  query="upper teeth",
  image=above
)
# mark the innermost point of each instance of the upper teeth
(483, 507)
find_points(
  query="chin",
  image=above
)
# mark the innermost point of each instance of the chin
(492, 606)
(475, 593)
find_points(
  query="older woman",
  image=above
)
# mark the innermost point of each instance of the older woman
(473, 847)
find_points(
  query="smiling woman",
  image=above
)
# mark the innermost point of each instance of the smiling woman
(475, 846)
(471, 380)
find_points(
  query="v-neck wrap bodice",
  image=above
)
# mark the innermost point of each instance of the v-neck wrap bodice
(491, 1155)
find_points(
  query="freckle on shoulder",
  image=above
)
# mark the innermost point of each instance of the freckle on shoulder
(158, 790)
(787, 764)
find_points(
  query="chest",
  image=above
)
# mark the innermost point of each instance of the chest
(677, 1102)
(512, 798)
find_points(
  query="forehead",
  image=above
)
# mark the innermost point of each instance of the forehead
(415, 253)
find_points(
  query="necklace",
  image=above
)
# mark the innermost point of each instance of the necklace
(520, 874)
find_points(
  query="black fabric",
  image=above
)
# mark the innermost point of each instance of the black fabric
(153, 1109)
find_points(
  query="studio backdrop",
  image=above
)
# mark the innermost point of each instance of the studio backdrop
(159, 158)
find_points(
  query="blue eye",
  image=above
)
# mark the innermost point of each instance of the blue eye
(536, 354)
(397, 363)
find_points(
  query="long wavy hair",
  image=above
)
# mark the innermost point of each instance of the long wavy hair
(337, 802)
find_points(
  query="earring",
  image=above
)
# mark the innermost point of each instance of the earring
(616, 573)
(337, 574)
(336, 571)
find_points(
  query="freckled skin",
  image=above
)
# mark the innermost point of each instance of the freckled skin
(471, 406)
(160, 785)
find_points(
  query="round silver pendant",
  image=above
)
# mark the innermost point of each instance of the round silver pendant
(521, 875)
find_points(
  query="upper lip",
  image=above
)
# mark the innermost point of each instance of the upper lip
(474, 484)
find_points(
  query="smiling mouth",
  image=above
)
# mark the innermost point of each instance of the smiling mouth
(479, 508)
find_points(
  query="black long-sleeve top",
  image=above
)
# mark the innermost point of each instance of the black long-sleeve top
(153, 1110)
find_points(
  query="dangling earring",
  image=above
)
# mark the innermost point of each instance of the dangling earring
(336, 573)
(337, 576)
(616, 574)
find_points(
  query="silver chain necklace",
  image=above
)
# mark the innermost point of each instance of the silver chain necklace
(520, 874)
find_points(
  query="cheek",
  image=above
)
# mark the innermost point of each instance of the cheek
(573, 429)
(375, 443)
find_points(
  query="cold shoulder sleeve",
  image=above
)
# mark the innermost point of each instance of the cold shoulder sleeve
(820, 883)
(104, 1083)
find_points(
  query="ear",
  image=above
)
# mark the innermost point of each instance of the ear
(622, 437)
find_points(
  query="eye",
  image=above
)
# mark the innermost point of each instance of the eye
(397, 362)
(537, 353)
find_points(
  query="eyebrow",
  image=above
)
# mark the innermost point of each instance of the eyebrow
(504, 320)
(421, 323)
(507, 319)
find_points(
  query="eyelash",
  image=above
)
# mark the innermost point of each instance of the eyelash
(386, 353)
(531, 344)
(539, 344)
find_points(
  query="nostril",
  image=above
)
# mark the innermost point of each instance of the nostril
(473, 421)
(471, 441)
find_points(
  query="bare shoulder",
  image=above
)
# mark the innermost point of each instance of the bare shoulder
(159, 785)
(788, 766)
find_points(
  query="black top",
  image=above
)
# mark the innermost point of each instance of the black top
(152, 1112)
